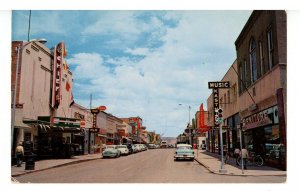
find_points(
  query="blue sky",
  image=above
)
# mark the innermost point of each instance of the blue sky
(141, 63)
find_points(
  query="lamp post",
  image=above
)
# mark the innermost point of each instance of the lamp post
(189, 124)
(13, 115)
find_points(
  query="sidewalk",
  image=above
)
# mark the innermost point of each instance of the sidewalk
(212, 162)
(52, 163)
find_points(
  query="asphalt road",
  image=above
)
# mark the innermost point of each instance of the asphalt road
(152, 166)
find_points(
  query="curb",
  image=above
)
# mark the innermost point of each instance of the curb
(51, 167)
(232, 174)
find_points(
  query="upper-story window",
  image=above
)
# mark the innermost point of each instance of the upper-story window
(261, 58)
(241, 76)
(270, 49)
(253, 65)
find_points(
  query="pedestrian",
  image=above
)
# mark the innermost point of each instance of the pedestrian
(19, 154)
(244, 155)
(236, 155)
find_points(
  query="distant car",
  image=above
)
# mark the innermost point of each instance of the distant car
(184, 151)
(203, 146)
(138, 147)
(111, 151)
(151, 146)
(134, 149)
(129, 147)
(123, 149)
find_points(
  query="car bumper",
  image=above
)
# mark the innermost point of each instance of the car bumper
(184, 157)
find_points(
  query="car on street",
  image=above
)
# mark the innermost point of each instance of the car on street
(111, 152)
(184, 151)
(129, 147)
(151, 146)
(134, 149)
(123, 149)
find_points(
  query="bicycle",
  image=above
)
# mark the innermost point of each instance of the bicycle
(255, 159)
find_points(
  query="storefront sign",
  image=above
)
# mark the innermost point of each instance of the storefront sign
(213, 85)
(259, 119)
(94, 130)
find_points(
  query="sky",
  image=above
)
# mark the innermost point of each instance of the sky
(152, 64)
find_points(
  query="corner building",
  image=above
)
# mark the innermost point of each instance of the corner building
(262, 60)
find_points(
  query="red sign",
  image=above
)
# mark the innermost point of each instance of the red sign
(82, 123)
(102, 108)
(201, 120)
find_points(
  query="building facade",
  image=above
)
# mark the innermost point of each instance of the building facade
(262, 60)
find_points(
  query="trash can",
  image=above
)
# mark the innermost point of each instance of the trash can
(30, 162)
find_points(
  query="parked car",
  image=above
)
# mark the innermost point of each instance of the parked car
(134, 149)
(129, 147)
(123, 149)
(138, 147)
(151, 146)
(111, 151)
(143, 147)
(203, 146)
(184, 151)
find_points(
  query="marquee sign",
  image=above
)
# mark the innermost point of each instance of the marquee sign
(59, 55)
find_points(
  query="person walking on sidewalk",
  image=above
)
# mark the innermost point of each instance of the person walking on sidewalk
(244, 155)
(236, 155)
(19, 154)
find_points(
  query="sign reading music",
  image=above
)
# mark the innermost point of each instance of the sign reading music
(216, 86)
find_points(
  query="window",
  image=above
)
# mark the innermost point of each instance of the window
(245, 82)
(270, 49)
(253, 66)
(228, 92)
(241, 77)
(261, 58)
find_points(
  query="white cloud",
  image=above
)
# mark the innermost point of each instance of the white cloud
(199, 49)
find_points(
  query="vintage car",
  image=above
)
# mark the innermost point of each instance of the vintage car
(123, 149)
(111, 151)
(184, 151)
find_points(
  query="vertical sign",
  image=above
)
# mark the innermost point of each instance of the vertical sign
(58, 59)
(215, 86)
(94, 112)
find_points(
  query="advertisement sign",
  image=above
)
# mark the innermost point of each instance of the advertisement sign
(58, 59)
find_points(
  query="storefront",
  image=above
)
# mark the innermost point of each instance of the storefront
(262, 136)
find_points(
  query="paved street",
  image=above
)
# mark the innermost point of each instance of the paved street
(152, 166)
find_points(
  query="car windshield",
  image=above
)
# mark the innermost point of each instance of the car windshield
(110, 146)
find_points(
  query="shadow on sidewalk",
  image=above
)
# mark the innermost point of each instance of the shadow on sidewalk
(232, 162)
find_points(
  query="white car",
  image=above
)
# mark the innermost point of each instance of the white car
(123, 149)
(134, 149)
(138, 147)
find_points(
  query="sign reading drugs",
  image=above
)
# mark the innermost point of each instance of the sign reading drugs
(213, 85)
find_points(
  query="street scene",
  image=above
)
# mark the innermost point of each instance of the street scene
(152, 166)
(149, 97)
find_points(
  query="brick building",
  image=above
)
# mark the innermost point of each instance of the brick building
(262, 60)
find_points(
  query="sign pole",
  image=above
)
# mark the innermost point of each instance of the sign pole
(240, 129)
(222, 170)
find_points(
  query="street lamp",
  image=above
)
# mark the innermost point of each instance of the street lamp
(19, 50)
(189, 124)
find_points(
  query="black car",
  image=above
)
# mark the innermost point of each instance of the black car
(129, 146)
